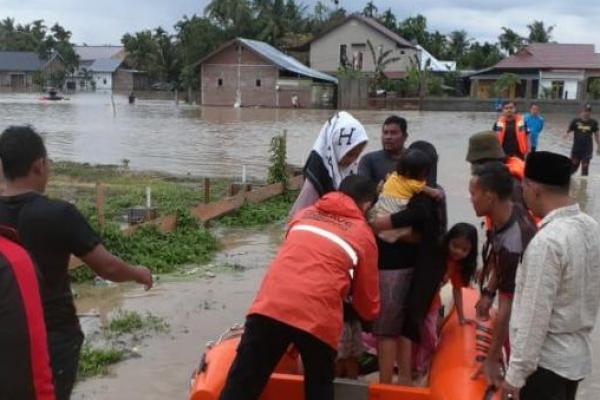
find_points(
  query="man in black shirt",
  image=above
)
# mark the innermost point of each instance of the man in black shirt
(52, 230)
(376, 165)
(583, 147)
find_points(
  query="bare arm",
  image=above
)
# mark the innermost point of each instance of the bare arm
(114, 269)
(458, 303)
(436, 194)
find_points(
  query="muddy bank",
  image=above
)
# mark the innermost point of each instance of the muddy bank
(197, 308)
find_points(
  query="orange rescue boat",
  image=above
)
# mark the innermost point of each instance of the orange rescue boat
(458, 355)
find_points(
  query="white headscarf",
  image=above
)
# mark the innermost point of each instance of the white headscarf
(340, 134)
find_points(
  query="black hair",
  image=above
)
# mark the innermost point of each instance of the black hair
(493, 176)
(359, 188)
(430, 150)
(414, 164)
(507, 102)
(401, 122)
(20, 147)
(469, 232)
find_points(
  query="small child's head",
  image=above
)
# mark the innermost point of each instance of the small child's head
(460, 245)
(414, 164)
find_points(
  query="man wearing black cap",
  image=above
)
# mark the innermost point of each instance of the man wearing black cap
(557, 289)
(583, 146)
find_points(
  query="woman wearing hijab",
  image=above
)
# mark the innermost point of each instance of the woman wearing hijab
(414, 273)
(333, 157)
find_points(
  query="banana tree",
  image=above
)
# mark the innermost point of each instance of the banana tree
(381, 60)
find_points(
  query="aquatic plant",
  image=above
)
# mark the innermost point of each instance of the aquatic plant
(130, 322)
(269, 212)
(96, 361)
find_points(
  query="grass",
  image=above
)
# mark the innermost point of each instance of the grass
(129, 322)
(269, 212)
(96, 361)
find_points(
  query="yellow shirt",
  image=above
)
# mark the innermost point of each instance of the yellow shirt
(400, 187)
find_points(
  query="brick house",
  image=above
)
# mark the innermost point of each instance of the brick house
(250, 73)
(544, 70)
(18, 69)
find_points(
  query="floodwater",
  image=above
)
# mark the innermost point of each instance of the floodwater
(201, 141)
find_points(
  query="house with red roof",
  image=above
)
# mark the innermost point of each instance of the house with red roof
(544, 70)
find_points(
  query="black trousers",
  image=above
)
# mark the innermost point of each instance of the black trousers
(64, 348)
(544, 384)
(261, 347)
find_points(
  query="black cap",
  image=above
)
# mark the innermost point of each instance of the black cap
(548, 168)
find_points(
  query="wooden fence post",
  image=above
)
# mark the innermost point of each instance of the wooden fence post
(100, 189)
(206, 190)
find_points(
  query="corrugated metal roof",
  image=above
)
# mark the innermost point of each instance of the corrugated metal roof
(284, 61)
(96, 52)
(105, 65)
(24, 61)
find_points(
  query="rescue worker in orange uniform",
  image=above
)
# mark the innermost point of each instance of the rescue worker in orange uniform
(511, 132)
(329, 252)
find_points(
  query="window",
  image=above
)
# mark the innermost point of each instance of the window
(104, 81)
(402, 52)
(343, 55)
(358, 49)
(258, 83)
(220, 82)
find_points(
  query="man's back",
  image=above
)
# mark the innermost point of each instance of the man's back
(311, 273)
(51, 231)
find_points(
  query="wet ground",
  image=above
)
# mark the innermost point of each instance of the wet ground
(158, 135)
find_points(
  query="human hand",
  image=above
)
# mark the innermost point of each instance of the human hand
(509, 392)
(144, 277)
(493, 372)
(482, 308)
(381, 223)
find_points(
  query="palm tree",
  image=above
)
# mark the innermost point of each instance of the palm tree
(506, 82)
(381, 59)
(230, 14)
(389, 19)
(459, 43)
(510, 41)
(538, 33)
(370, 10)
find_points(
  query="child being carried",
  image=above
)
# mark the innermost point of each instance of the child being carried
(399, 187)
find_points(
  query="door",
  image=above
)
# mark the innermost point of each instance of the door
(17, 81)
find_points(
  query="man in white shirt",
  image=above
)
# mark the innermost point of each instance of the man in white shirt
(557, 292)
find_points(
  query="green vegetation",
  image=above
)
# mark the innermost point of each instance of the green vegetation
(278, 168)
(129, 322)
(250, 215)
(93, 361)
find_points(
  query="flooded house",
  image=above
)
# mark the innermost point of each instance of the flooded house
(105, 68)
(542, 71)
(345, 45)
(24, 70)
(250, 73)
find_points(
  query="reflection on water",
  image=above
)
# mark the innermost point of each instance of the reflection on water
(209, 141)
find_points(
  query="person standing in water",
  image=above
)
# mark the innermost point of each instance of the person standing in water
(511, 131)
(583, 146)
(535, 124)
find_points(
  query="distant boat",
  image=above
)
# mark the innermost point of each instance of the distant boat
(53, 96)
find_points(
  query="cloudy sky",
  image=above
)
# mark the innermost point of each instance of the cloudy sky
(104, 22)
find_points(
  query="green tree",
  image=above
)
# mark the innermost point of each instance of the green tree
(506, 82)
(370, 10)
(142, 51)
(196, 37)
(458, 44)
(538, 33)
(167, 56)
(388, 19)
(437, 45)
(510, 41)
(414, 28)
(270, 19)
(234, 16)
(594, 88)
(481, 56)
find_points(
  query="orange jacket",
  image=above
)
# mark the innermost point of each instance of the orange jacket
(520, 132)
(311, 275)
(516, 167)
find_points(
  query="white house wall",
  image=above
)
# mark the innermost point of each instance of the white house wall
(571, 81)
(103, 80)
(325, 51)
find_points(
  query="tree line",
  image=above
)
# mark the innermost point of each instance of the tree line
(286, 24)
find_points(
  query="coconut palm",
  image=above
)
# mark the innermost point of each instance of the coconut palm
(389, 19)
(370, 10)
(458, 43)
(538, 33)
(510, 41)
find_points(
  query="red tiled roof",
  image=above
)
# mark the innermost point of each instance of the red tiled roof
(553, 55)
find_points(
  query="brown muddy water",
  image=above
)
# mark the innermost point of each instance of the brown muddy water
(159, 135)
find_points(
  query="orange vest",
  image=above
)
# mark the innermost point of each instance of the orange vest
(520, 132)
